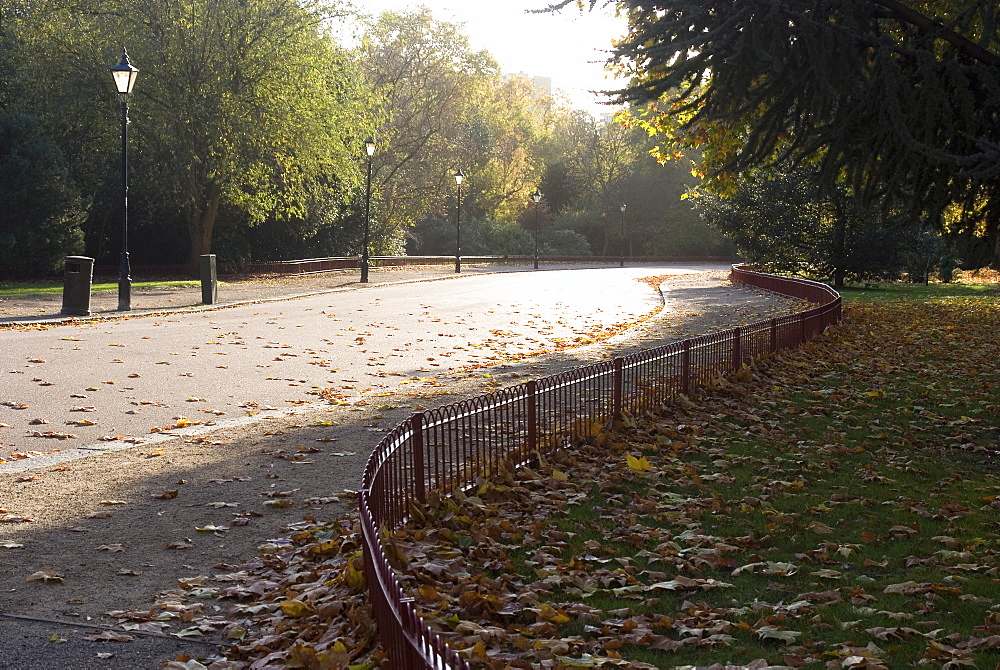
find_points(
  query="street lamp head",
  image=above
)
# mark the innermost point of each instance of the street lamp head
(459, 177)
(124, 74)
(623, 208)
(370, 146)
(536, 196)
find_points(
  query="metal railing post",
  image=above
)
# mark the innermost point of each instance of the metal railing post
(737, 348)
(686, 368)
(618, 365)
(419, 480)
(532, 391)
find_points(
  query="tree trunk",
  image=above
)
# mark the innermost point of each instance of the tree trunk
(839, 244)
(201, 221)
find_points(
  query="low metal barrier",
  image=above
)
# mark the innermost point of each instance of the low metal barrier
(307, 266)
(449, 448)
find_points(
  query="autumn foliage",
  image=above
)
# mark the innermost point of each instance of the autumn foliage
(833, 506)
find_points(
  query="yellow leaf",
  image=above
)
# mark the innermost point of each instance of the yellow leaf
(639, 464)
(550, 613)
(559, 476)
(354, 573)
(296, 608)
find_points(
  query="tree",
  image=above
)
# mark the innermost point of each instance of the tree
(239, 104)
(787, 222)
(893, 98)
(424, 78)
(261, 107)
(661, 219)
(505, 130)
(41, 209)
(588, 167)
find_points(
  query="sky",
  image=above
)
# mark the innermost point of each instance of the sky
(568, 46)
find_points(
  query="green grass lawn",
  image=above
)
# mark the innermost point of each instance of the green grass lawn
(919, 292)
(8, 290)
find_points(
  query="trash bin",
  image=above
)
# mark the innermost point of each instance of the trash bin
(209, 280)
(76, 285)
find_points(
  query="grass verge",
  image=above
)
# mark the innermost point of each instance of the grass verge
(9, 290)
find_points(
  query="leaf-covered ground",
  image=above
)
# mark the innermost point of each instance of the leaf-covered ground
(834, 507)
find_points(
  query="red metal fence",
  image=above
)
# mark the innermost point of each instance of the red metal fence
(316, 265)
(448, 448)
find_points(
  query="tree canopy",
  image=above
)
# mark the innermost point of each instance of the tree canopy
(41, 210)
(247, 138)
(239, 105)
(892, 98)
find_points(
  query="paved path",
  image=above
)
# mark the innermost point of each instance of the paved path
(108, 528)
(106, 384)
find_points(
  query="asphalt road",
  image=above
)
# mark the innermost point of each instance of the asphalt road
(92, 386)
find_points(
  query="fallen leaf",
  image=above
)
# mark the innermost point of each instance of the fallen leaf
(296, 608)
(768, 633)
(108, 636)
(46, 576)
(13, 518)
(212, 529)
(639, 464)
(178, 545)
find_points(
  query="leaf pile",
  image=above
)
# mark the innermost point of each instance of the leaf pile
(304, 601)
(834, 506)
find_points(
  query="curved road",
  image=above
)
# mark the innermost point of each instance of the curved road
(111, 383)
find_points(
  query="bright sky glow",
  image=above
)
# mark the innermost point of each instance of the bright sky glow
(569, 46)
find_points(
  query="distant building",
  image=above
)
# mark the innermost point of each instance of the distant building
(543, 85)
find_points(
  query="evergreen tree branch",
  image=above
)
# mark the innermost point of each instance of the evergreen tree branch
(929, 25)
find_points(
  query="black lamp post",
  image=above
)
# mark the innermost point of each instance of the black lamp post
(621, 256)
(537, 197)
(459, 177)
(370, 149)
(124, 75)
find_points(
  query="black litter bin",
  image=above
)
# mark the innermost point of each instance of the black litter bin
(76, 285)
(209, 280)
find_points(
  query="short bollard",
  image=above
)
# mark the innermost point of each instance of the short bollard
(209, 280)
(78, 277)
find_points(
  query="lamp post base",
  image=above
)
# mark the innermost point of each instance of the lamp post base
(124, 285)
